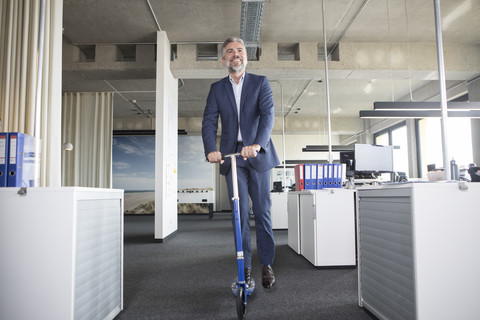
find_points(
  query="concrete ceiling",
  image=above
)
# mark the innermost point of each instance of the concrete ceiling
(387, 49)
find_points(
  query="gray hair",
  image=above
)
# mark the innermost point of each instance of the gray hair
(231, 39)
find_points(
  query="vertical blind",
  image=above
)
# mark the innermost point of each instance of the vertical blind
(87, 123)
(19, 34)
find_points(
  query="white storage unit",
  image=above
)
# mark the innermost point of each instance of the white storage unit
(278, 211)
(293, 206)
(418, 250)
(61, 253)
(327, 226)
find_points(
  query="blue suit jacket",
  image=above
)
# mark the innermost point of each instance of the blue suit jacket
(256, 120)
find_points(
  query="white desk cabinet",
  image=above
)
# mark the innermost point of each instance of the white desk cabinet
(293, 207)
(278, 211)
(61, 253)
(326, 226)
(418, 251)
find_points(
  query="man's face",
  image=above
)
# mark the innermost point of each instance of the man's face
(235, 58)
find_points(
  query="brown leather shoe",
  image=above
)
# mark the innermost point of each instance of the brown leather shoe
(268, 279)
(248, 277)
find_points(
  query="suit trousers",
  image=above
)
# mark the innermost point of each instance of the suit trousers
(256, 185)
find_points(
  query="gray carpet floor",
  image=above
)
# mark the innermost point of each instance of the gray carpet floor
(188, 276)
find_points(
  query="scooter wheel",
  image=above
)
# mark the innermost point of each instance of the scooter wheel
(241, 303)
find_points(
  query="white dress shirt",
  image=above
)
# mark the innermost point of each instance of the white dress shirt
(237, 91)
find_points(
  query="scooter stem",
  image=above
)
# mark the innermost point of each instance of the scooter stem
(233, 165)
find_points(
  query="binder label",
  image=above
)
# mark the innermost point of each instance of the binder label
(13, 149)
(314, 176)
(307, 172)
(3, 149)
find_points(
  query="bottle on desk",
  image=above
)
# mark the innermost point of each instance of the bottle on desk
(454, 170)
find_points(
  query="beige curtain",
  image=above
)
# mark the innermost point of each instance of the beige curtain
(87, 123)
(19, 30)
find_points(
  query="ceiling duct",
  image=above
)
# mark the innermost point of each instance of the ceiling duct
(250, 24)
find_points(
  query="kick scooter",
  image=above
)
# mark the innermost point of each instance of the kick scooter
(239, 286)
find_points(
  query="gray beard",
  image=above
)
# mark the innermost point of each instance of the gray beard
(236, 69)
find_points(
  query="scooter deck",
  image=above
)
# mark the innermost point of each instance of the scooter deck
(249, 288)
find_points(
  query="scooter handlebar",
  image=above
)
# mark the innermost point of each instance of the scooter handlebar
(231, 155)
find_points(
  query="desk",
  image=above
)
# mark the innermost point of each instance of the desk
(418, 250)
(322, 226)
(61, 253)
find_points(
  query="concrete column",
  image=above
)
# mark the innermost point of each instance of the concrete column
(269, 52)
(186, 55)
(105, 54)
(309, 52)
(145, 53)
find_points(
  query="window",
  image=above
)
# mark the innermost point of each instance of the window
(382, 139)
(400, 156)
(459, 142)
(396, 136)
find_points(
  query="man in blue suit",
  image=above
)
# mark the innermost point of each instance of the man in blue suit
(244, 103)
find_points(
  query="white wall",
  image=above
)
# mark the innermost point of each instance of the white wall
(295, 143)
(166, 220)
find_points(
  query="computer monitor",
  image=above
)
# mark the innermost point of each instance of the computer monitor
(348, 157)
(375, 158)
(277, 186)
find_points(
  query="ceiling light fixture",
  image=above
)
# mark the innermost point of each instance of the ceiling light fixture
(425, 105)
(325, 148)
(425, 109)
(417, 114)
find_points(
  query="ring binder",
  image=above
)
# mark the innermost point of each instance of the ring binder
(22, 158)
(3, 158)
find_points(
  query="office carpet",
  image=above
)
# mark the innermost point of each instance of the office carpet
(188, 276)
